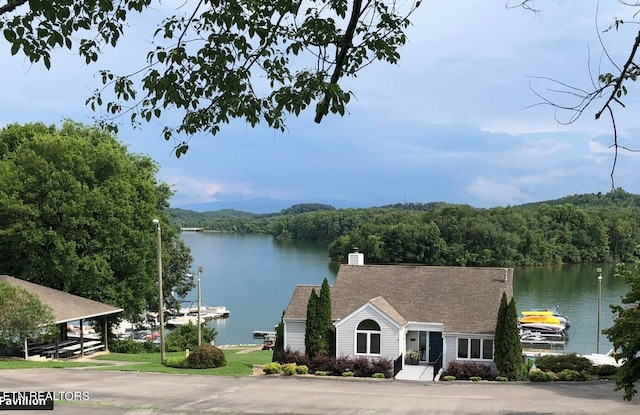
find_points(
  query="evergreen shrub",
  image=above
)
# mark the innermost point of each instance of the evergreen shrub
(537, 375)
(289, 369)
(206, 357)
(132, 347)
(378, 375)
(302, 370)
(569, 374)
(321, 373)
(150, 347)
(272, 368)
(176, 362)
(558, 363)
(347, 374)
(186, 337)
(585, 376)
(604, 370)
(449, 378)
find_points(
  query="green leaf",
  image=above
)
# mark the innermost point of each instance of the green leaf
(9, 35)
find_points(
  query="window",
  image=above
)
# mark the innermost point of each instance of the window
(463, 348)
(487, 349)
(479, 349)
(368, 338)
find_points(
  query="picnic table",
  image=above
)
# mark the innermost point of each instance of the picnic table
(74, 348)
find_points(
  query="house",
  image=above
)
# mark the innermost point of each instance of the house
(447, 313)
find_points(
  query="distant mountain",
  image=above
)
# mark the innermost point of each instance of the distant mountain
(264, 205)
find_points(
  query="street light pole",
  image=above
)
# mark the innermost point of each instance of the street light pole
(160, 299)
(199, 305)
(599, 271)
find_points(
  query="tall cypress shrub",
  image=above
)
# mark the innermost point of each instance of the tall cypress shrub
(311, 340)
(325, 334)
(498, 339)
(513, 347)
(278, 347)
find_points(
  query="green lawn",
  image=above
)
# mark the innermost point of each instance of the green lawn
(238, 364)
(22, 364)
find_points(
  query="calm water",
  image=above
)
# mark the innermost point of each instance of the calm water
(254, 277)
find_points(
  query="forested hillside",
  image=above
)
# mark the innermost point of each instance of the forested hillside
(574, 229)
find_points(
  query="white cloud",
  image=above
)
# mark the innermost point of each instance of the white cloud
(493, 193)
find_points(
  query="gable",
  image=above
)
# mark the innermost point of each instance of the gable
(66, 307)
(386, 313)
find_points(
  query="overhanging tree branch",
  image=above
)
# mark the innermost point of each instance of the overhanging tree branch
(11, 6)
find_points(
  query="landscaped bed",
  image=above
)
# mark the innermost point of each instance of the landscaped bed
(239, 363)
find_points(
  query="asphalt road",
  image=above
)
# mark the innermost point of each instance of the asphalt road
(119, 393)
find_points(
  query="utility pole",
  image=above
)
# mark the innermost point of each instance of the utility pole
(199, 306)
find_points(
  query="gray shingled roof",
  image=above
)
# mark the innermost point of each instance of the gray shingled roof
(66, 307)
(463, 299)
(384, 306)
(297, 307)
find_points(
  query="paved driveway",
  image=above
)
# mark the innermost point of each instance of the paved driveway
(117, 393)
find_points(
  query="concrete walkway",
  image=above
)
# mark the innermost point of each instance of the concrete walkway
(422, 373)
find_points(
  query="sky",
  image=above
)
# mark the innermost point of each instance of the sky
(454, 121)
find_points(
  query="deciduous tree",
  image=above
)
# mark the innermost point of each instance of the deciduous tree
(22, 315)
(625, 332)
(214, 61)
(76, 212)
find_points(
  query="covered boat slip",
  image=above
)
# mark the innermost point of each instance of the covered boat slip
(543, 329)
(68, 308)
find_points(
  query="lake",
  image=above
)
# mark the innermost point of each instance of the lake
(254, 277)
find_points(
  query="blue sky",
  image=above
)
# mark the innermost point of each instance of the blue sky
(451, 122)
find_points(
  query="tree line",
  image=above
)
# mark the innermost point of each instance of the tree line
(575, 229)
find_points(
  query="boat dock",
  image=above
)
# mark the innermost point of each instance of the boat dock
(261, 334)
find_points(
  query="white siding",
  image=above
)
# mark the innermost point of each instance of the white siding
(389, 334)
(294, 335)
(450, 349)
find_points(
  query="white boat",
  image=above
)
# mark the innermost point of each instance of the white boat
(184, 320)
(543, 328)
(604, 359)
(206, 312)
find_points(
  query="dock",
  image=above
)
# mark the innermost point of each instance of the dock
(260, 334)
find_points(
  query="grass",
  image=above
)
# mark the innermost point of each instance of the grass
(238, 364)
(34, 364)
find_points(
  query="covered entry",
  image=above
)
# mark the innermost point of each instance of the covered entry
(428, 343)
